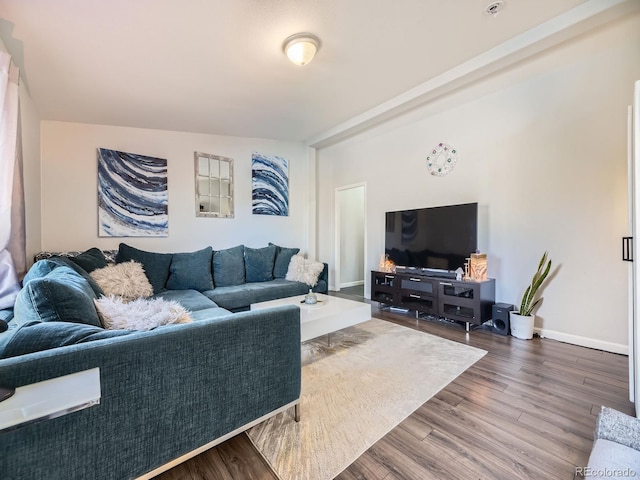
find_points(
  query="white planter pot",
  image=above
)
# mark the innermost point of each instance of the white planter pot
(522, 325)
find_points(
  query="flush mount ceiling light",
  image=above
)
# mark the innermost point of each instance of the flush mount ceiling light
(494, 8)
(301, 47)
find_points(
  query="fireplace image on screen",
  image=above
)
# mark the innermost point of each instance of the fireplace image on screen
(436, 238)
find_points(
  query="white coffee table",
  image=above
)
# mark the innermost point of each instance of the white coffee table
(329, 315)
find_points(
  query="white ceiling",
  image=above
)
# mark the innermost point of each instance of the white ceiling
(216, 66)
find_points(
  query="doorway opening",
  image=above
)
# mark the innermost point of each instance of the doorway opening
(350, 244)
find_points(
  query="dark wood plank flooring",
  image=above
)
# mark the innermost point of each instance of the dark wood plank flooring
(526, 410)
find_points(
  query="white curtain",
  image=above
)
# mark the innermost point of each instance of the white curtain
(12, 235)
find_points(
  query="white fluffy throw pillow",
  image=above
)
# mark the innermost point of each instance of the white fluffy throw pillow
(126, 280)
(303, 270)
(140, 314)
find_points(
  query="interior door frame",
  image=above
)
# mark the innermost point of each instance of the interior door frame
(338, 232)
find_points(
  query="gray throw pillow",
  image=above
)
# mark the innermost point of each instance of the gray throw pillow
(191, 271)
(283, 258)
(228, 267)
(258, 263)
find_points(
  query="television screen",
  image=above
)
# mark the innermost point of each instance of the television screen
(439, 238)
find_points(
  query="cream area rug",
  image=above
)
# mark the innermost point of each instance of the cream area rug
(355, 391)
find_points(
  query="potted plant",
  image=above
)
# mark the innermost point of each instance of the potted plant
(522, 321)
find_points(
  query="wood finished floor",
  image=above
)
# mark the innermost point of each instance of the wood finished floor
(526, 410)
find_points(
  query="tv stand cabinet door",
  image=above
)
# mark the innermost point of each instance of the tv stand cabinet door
(466, 301)
(384, 288)
(418, 293)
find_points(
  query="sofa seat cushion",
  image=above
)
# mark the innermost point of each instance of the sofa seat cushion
(60, 296)
(609, 457)
(210, 313)
(33, 337)
(241, 296)
(189, 299)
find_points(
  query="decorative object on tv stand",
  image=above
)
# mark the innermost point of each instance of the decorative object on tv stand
(132, 195)
(466, 277)
(522, 322)
(386, 265)
(441, 160)
(478, 266)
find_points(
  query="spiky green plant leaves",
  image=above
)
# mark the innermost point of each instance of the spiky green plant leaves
(529, 300)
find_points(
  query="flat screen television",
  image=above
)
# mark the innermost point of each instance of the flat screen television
(436, 238)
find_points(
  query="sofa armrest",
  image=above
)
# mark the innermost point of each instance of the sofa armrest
(618, 427)
(164, 393)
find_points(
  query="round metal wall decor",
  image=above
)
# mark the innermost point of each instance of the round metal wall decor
(441, 160)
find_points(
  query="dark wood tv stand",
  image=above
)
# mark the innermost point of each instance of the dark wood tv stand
(468, 302)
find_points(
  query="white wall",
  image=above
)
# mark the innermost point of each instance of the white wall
(69, 189)
(542, 148)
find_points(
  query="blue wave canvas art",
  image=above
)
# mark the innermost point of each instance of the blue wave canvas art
(270, 181)
(132, 195)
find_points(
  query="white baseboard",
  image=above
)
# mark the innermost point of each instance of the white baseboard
(583, 341)
(352, 284)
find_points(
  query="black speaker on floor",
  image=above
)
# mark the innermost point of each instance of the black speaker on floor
(500, 316)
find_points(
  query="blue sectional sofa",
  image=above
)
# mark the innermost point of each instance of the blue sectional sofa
(167, 393)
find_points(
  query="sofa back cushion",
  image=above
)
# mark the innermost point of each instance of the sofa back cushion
(43, 267)
(38, 336)
(156, 265)
(283, 258)
(228, 267)
(191, 271)
(90, 260)
(62, 295)
(258, 263)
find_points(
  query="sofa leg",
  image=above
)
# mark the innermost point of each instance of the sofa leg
(296, 412)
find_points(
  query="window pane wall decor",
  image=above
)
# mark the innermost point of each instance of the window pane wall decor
(214, 185)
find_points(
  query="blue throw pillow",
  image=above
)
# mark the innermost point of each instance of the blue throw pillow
(37, 336)
(258, 263)
(61, 296)
(191, 271)
(283, 258)
(156, 265)
(228, 267)
(90, 260)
